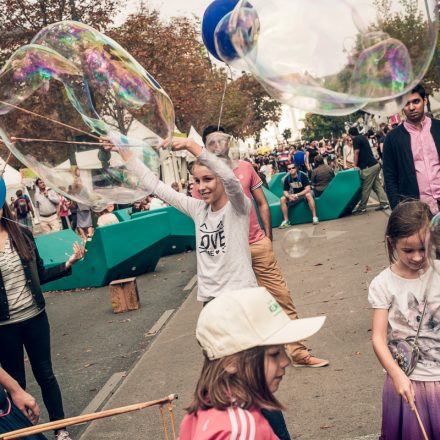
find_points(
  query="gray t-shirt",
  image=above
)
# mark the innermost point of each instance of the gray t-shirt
(404, 300)
(223, 255)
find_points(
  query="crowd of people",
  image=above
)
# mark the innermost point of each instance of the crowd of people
(249, 328)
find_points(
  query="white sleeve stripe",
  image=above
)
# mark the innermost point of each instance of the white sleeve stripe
(234, 424)
(252, 427)
(243, 421)
(257, 185)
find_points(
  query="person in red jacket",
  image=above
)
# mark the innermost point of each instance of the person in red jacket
(242, 334)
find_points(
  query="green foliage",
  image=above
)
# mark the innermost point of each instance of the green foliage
(318, 127)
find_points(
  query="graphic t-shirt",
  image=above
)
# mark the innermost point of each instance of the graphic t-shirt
(250, 181)
(297, 184)
(404, 300)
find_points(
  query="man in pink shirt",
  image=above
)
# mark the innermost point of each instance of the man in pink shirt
(264, 262)
(411, 155)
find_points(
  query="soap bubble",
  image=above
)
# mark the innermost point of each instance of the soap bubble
(296, 243)
(83, 79)
(335, 57)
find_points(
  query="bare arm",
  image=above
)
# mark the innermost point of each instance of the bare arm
(356, 158)
(264, 211)
(402, 384)
(22, 400)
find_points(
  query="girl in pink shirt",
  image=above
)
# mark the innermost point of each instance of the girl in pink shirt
(242, 335)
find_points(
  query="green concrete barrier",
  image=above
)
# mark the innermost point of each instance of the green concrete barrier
(123, 214)
(121, 250)
(182, 236)
(338, 199)
(276, 184)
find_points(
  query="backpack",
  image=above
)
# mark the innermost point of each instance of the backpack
(22, 207)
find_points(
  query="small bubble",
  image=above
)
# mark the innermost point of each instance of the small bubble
(296, 243)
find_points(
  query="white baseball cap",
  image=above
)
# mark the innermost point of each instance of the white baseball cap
(247, 318)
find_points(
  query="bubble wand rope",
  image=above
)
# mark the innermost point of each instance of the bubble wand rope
(58, 424)
(2, 171)
(29, 112)
(171, 414)
(425, 436)
(223, 98)
(55, 141)
(164, 422)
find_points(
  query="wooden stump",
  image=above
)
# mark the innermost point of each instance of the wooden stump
(124, 295)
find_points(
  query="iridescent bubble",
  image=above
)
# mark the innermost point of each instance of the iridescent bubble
(87, 82)
(296, 243)
(335, 57)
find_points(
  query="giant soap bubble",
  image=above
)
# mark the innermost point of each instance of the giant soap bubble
(77, 76)
(335, 57)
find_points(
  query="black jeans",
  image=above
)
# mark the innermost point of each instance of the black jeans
(34, 335)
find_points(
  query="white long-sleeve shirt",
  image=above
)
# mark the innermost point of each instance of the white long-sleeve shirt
(223, 255)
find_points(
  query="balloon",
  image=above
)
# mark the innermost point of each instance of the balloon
(335, 57)
(222, 38)
(211, 18)
(2, 192)
(78, 76)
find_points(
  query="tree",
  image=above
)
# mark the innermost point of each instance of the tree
(175, 55)
(318, 127)
(287, 134)
(21, 20)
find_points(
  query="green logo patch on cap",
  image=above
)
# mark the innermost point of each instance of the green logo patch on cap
(275, 308)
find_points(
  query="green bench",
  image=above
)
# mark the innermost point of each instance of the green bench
(338, 199)
(116, 251)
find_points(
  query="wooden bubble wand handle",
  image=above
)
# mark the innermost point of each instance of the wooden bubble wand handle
(425, 436)
(59, 424)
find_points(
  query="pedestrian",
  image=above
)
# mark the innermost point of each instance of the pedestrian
(264, 262)
(64, 213)
(46, 203)
(221, 218)
(348, 153)
(322, 175)
(107, 217)
(23, 209)
(84, 222)
(411, 155)
(398, 296)
(18, 409)
(242, 335)
(369, 172)
(23, 320)
(296, 188)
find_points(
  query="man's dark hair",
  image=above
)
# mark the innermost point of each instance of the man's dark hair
(38, 181)
(319, 160)
(353, 131)
(19, 193)
(211, 129)
(420, 90)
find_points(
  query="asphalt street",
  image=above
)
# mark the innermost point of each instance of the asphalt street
(90, 343)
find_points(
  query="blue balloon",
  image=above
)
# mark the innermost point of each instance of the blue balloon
(212, 16)
(2, 192)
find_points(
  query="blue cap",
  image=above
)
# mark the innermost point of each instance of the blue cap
(2, 192)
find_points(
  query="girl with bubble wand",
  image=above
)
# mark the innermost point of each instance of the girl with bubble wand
(221, 218)
(406, 323)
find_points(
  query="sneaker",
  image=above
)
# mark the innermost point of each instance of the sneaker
(311, 361)
(62, 434)
(360, 211)
(382, 207)
(315, 220)
(284, 224)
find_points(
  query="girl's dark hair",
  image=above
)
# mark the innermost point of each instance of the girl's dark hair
(407, 218)
(239, 378)
(20, 242)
